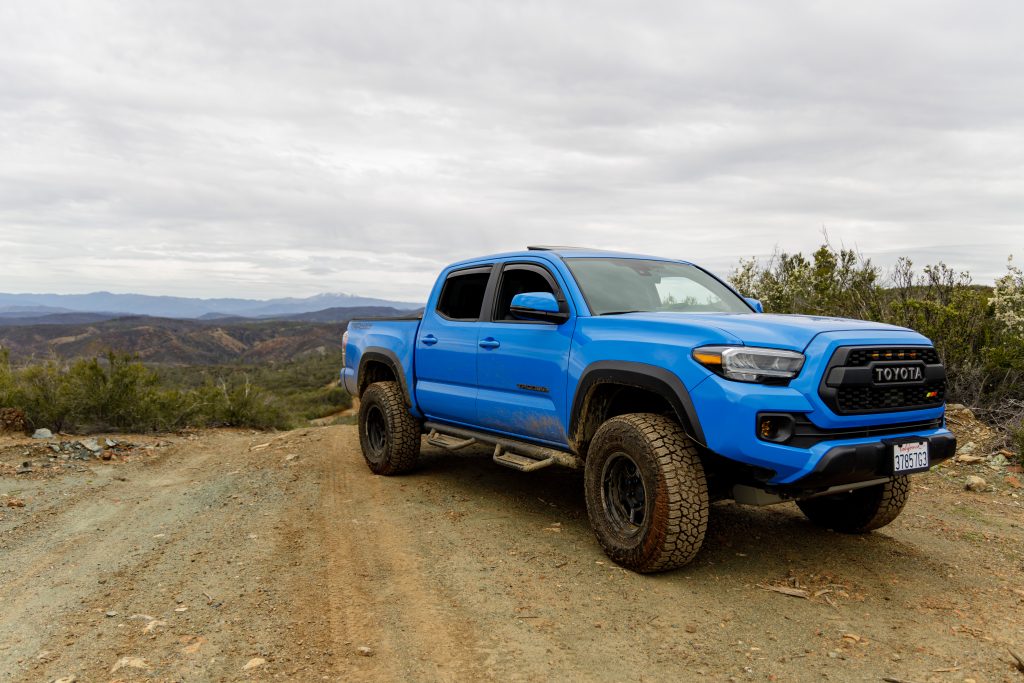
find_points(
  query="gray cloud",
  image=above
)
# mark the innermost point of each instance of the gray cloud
(255, 149)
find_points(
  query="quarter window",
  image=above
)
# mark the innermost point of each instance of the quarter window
(462, 296)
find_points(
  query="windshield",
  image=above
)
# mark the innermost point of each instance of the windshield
(619, 285)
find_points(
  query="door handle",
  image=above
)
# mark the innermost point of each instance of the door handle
(489, 343)
(429, 340)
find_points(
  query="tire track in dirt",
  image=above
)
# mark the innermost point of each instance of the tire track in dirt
(381, 596)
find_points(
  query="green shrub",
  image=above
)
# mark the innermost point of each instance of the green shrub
(117, 392)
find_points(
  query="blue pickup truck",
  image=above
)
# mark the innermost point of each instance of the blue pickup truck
(662, 383)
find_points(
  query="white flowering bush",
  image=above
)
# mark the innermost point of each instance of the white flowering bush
(1008, 299)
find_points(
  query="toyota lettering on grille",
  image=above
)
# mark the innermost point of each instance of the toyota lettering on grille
(892, 374)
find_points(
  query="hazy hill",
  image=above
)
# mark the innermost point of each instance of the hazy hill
(167, 340)
(182, 307)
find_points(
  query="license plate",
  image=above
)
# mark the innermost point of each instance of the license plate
(911, 456)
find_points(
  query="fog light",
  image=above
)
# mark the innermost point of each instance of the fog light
(775, 427)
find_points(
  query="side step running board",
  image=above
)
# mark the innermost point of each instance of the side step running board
(519, 455)
(519, 462)
(446, 442)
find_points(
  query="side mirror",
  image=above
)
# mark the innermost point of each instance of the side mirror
(540, 306)
(755, 304)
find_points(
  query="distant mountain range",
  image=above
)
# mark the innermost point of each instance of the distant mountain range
(112, 305)
(213, 340)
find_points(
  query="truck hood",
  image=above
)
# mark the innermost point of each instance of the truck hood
(766, 329)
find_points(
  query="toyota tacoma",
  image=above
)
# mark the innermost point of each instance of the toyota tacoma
(663, 384)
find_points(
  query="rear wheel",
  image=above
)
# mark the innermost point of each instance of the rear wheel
(861, 510)
(647, 497)
(388, 433)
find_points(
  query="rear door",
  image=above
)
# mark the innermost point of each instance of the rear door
(522, 365)
(446, 348)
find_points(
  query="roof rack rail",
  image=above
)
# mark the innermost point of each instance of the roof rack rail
(555, 247)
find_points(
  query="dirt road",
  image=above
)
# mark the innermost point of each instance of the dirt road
(217, 557)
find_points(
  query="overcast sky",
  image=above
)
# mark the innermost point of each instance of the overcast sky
(265, 149)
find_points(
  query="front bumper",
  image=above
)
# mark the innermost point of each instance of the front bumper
(862, 462)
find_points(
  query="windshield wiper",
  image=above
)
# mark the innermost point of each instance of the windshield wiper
(621, 312)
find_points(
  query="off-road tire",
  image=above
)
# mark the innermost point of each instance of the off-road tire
(861, 510)
(675, 492)
(388, 433)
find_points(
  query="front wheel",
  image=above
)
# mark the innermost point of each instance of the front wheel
(861, 510)
(388, 433)
(647, 496)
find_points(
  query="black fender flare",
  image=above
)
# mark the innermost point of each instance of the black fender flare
(377, 354)
(655, 379)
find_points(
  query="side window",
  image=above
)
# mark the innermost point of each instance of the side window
(517, 280)
(462, 296)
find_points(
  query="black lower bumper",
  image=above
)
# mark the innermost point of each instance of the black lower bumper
(863, 462)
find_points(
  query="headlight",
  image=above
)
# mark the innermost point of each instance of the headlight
(750, 364)
(344, 343)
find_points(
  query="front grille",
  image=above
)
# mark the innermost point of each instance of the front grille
(885, 399)
(853, 391)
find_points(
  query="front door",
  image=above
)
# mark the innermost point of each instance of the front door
(522, 365)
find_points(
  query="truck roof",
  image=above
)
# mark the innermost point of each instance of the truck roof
(566, 252)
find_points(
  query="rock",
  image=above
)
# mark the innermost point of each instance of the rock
(92, 445)
(110, 443)
(365, 651)
(66, 679)
(1013, 482)
(969, 459)
(153, 625)
(25, 468)
(106, 455)
(998, 460)
(975, 483)
(967, 448)
(130, 663)
(111, 613)
(15, 503)
(290, 457)
(42, 433)
(254, 663)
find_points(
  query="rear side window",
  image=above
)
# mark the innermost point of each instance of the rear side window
(462, 296)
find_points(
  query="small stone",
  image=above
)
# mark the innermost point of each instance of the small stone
(92, 445)
(130, 663)
(364, 651)
(1013, 482)
(42, 434)
(254, 663)
(111, 613)
(66, 679)
(153, 625)
(110, 443)
(290, 457)
(25, 468)
(15, 503)
(975, 483)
